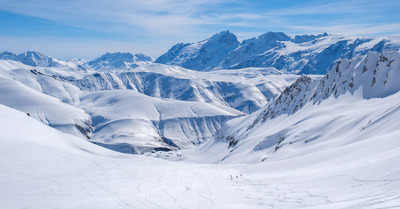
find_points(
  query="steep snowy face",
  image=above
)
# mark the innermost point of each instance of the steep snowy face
(303, 54)
(250, 50)
(202, 55)
(374, 75)
(111, 61)
(354, 95)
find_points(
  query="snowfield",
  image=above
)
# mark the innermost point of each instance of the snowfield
(44, 168)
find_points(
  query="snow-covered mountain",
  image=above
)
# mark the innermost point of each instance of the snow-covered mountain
(356, 102)
(31, 58)
(246, 90)
(202, 55)
(303, 54)
(131, 122)
(36, 59)
(112, 61)
(112, 109)
(107, 62)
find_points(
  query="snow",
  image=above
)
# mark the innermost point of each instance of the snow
(319, 142)
(253, 87)
(118, 61)
(305, 54)
(157, 123)
(43, 168)
(44, 108)
(189, 106)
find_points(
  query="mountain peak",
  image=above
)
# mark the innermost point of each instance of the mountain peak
(7, 55)
(274, 36)
(202, 55)
(307, 38)
(119, 60)
(117, 55)
(224, 37)
(34, 58)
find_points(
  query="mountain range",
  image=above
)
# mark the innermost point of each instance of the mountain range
(274, 121)
(192, 74)
(74, 97)
(302, 54)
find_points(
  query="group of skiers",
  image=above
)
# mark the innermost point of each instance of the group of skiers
(236, 176)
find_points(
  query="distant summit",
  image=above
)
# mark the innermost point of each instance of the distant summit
(119, 60)
(31, 58)
(108, 61)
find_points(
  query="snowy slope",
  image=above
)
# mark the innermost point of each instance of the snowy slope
(39, 80)
(46, 109)
(357, 101)
(303, 54)
(131, 122)
(43, 168)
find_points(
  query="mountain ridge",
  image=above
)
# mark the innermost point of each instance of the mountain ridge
(303, 54)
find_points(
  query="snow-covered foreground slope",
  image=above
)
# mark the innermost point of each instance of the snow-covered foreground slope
(131, 122)
(43, 168)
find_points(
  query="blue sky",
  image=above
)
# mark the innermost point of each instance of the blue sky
(89, 28)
